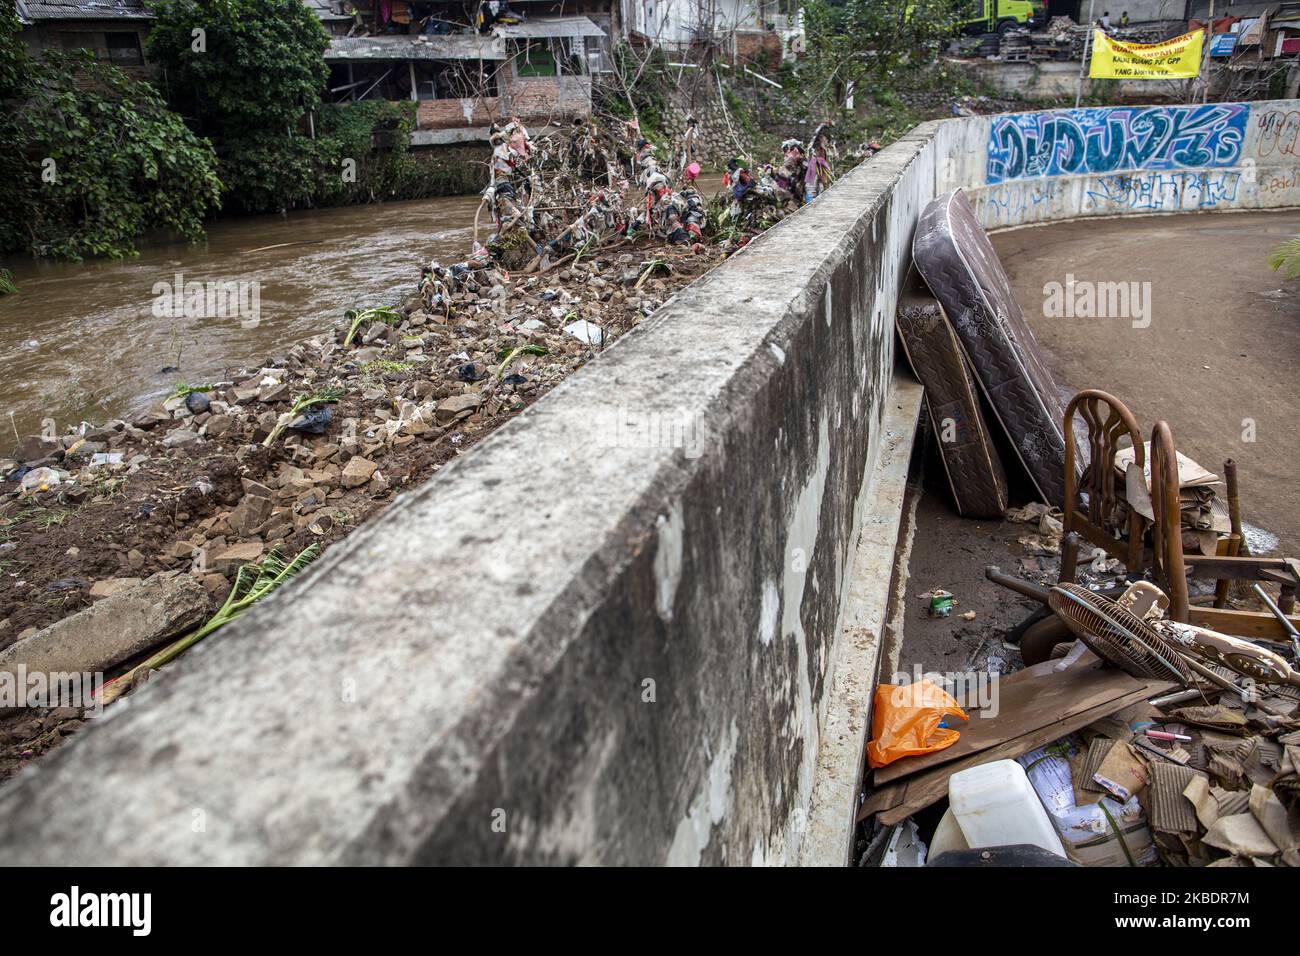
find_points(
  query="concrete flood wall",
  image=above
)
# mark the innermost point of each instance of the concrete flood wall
(606, 636)
(467, 678)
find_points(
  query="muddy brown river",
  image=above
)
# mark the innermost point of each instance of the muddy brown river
(98, 339)
(90, 340)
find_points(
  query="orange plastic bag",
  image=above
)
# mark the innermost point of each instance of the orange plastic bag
(905, 721)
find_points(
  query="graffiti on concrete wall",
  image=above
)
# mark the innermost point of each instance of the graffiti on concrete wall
(1278, 132)
(1164, 191)
(1017, 202)
(1113, 139)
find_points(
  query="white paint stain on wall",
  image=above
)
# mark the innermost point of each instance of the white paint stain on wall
(767, 612)
(801, 540)
(708, 808)
(668, 560)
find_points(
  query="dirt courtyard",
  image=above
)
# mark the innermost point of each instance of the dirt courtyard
(1218, 360)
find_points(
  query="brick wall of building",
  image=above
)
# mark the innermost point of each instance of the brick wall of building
(759, 46)
(451, 114)
(537, 98)
(533, 99)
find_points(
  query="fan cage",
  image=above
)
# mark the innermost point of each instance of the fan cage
(1116, 634)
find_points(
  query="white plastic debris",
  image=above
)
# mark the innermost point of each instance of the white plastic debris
(585, 331)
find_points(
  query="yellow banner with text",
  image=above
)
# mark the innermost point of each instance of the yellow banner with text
(1174, 59)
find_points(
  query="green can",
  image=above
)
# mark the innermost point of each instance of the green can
(940, 603)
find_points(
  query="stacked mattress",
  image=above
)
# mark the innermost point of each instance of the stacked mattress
(974, 470)
(954, 256)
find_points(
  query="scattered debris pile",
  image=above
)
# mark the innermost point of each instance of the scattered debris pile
(587, 239)
(1156, 719)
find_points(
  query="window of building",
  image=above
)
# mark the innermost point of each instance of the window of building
(124, 49)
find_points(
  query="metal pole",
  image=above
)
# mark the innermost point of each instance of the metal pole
(1209, 41)
(1087, 49)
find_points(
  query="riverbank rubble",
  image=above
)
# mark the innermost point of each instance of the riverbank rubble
(295, 452)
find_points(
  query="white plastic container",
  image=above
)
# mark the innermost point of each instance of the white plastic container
(947, 836)
(995, 805)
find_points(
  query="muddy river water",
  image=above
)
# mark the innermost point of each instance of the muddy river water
(99, 339)
(90, 340)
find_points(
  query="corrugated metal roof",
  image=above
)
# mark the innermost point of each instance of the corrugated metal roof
(37, 10)
(550, 27)
(455, 47)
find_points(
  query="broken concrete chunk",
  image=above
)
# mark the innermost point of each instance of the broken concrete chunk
(458, 407)
(180, 436)
(36, 447)
(250, 514)
(358, 471)
(230, 559)
(111, 586)
(118, 628)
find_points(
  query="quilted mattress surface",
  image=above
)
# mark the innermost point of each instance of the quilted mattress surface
(975, 473)
(955, 257)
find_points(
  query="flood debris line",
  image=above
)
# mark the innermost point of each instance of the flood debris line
(1155, 719)
(227, 487)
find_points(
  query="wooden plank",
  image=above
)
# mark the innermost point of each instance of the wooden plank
(1030, 698)
(1241, 623)
(1246, 569)
(902, 798)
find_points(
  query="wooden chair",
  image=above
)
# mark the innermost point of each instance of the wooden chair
(1108, 419)
(1172, 566)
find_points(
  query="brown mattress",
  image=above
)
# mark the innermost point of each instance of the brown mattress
(975, 474)
(958, 263)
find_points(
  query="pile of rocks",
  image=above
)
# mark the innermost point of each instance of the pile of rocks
(409, 396)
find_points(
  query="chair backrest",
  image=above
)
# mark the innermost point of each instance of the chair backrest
(1108, 419)
(1167, 535)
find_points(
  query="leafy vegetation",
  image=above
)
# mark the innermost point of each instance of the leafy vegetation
(252, 81)
(359, 317)
(857, 43)
(300, 405)
(247, 72)
(1286, 258)
(91, 159)
(507, 357)
(252, 583)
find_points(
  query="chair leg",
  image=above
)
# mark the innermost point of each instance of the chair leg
(1069, 556)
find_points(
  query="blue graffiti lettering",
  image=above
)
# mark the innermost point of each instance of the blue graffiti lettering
(1111, 139)
(1164, 192)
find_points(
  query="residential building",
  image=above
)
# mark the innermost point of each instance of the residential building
(736, 28)
(114, 30)
(518, 60)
